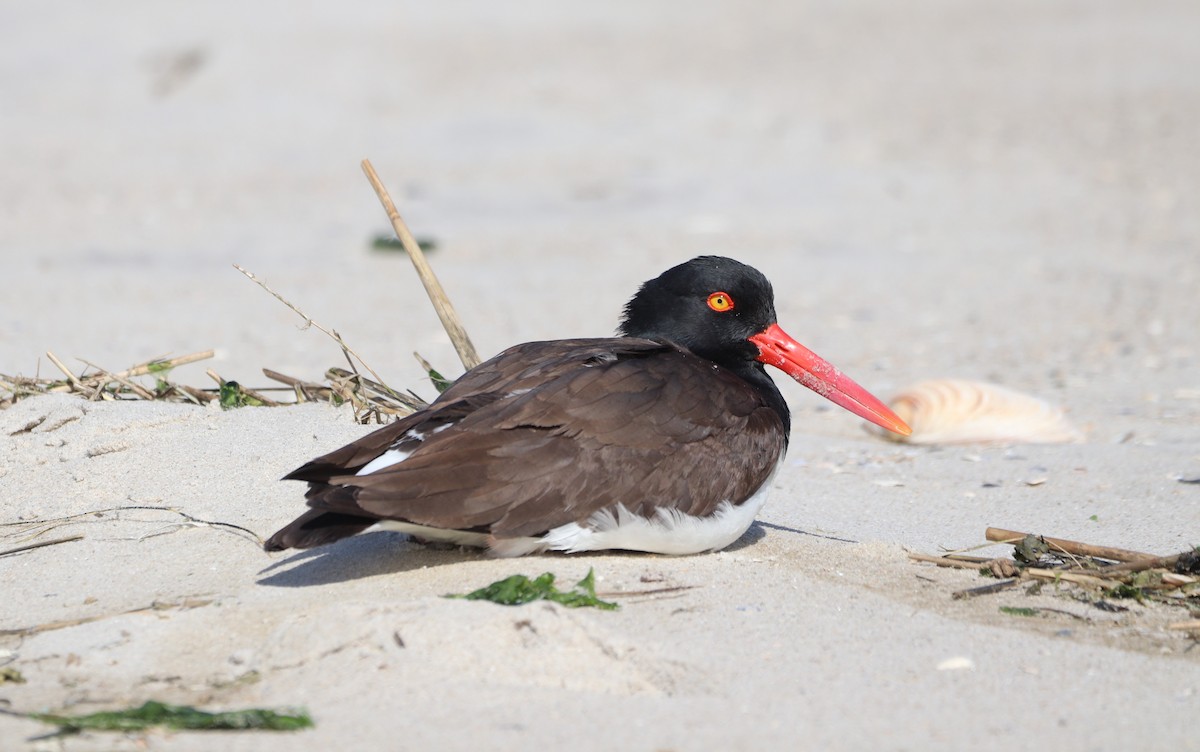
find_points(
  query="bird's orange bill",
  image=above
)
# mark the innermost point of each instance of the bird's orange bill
(777, 348)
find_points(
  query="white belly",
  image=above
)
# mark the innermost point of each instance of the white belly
(668, 532)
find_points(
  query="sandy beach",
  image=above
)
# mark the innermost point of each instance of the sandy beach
(999, 191)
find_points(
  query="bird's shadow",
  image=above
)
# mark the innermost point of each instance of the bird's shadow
(359, 557)
(758, 531)
(381, 552)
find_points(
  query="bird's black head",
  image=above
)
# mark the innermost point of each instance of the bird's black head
(710, 305)
(724, 311)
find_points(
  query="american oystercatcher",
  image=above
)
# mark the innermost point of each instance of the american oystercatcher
(664, 439)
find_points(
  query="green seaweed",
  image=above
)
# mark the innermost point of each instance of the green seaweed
(9, 674)
(386, 241)
(159, 369)
(440, 382)
(1030, 549)
(232, 396)
(184, 717)
(1019, 611)
(519, 589)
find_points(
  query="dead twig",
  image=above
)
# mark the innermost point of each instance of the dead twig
(943, 561)
(994, 587)
(1141, 565)
(999, 535)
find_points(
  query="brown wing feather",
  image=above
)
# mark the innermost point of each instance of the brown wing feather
(512, 370)
(603, 424)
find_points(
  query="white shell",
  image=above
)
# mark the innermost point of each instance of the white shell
(955, 411)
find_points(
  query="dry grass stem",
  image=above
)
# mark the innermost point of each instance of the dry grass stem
(441, 302)
(34, 528)
(409, 401)
(387, 401)
(40, 544)
(75, 382)
(186, 603)
(308, 321)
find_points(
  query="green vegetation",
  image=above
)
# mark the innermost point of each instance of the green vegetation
(184, 717)
(1019, 611)
(519, 589)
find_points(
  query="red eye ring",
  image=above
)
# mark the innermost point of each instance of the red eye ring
(720, 302)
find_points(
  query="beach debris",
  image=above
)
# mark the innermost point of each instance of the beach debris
(1104, 571)
(153, 714)
(958, 411)
(373, 400)
(519, 589)
(957, 663)
(10, 675)
(1030, 549)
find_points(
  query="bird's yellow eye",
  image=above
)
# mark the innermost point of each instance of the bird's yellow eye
(720, 302)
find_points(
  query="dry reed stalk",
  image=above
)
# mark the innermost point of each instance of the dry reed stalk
(106, 375)
(70, 376)
(1141, 565)
(1064, 576)
(411, 402)
(1189, 625)
(943, 561)
(433, 288)
(158, 366)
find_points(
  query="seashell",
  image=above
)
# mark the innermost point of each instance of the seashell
(956, 411)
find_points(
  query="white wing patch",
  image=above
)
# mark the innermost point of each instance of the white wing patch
(395, 456)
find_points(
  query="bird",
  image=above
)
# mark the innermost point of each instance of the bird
(663, 439)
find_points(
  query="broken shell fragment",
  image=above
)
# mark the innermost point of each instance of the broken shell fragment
(956, 411)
